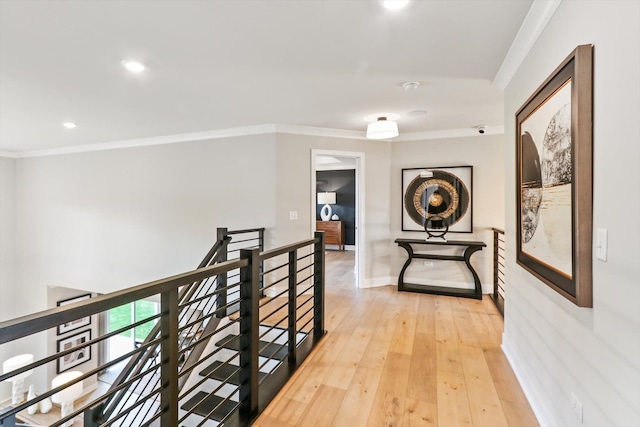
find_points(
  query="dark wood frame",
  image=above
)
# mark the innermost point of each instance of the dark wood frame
(86, 321)
(443, 168)
(578, 67)
(87, 350)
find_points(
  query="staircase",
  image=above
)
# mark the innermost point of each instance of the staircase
(220, 349)
(216, 396)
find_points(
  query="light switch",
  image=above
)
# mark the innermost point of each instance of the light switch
(293, 215)
(601, 244)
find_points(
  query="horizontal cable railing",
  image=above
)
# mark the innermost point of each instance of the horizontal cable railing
(197, 301)
(244, 359)
(498, 269)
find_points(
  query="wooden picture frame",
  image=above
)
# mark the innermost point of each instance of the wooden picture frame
(75, 358)
(74, 324)
(458, 180)
(554, 179)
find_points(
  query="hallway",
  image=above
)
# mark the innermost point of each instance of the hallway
(401, 359)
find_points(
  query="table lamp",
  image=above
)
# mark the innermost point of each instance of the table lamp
(66, 396)
(17, 362)
(326, 199)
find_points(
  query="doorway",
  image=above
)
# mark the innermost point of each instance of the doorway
(342, 165)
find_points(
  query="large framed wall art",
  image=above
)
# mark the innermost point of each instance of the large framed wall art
(438, 196)
(554, 189)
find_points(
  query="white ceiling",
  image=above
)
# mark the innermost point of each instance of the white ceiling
(225, 64)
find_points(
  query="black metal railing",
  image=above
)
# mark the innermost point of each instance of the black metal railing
(498, 269)
(238, 240)
(196, 303)
(244, 360)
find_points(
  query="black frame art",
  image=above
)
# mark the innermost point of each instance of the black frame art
(74, 324)
(449, 193)
(75, 358)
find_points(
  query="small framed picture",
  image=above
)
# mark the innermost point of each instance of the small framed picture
(74, 324)
(75, 358)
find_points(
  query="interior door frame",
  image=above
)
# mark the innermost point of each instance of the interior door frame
(360, 212)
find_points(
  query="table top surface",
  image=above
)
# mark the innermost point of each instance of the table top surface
(441, 242)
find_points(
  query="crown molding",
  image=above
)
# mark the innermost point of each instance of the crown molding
(246, 131)
(449, 133)
(317, 131)
(156, 140)
(8, 154)
(534, 23)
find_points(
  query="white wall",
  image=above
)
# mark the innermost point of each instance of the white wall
(294, 194)
(7, 242)
(7, 251)
(486, 154)
(555, 347)
(103, 221)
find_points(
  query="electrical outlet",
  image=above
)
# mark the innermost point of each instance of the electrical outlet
(293, 215)
(576, 406)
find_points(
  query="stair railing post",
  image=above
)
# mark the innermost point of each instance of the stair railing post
(261, 246)
(169, 351)
(293, 291)
(495, 265)
(318, 286)
(221, 297)
(249, 333)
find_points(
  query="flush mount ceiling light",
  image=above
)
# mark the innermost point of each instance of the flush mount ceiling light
(70, 125)
(382, 129)
(393, 4)
(410, 86)
(133, 66)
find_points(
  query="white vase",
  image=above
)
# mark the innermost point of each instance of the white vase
(30, 396)
(45, 405)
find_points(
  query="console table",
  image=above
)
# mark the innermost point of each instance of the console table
(471, 247)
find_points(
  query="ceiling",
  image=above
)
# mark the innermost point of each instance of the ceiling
(218, 64)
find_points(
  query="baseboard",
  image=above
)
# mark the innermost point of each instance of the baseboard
(336, 247)
(526, 384)
(379, 281)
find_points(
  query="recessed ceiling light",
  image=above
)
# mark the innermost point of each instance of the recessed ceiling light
(394, 4)
(133, 66)
(70, 125)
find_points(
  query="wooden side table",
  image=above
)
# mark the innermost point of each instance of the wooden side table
(333, 232)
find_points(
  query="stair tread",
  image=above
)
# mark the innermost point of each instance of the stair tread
(210, 401)
(223, 371)
(266, 348)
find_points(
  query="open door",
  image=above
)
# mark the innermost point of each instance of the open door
(341, 165)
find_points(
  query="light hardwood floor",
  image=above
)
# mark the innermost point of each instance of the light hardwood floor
(401, 359)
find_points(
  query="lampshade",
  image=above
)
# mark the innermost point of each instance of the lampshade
(327, 198)
(18, 362)
(70, 393)
(382, 129)
(17, 381)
